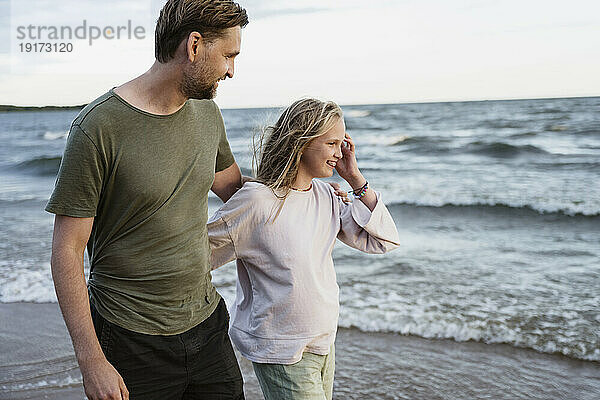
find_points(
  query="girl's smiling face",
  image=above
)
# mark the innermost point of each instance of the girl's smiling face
(320, 157)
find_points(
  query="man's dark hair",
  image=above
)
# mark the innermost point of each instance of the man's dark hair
(210, 18)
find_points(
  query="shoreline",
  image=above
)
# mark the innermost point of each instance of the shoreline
(37, 361)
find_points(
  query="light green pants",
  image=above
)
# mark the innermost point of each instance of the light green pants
(311, 378)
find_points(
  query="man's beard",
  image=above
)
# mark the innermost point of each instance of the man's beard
(195, 83)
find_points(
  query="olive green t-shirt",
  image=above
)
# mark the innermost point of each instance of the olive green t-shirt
(145, 179)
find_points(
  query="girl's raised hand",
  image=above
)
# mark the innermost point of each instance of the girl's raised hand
(347, 167)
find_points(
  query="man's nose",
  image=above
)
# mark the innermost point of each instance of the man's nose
(230, 68)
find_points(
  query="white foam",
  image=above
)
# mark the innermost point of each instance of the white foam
(21, 282)
(15, 196)
(357, 113)
(385, 140)
(224, 279)
(55, 135)
(437, 193)
(380, 311)
(418, 321)
(44, 383)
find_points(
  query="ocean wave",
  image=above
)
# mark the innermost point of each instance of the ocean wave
(55, 135)
(246, 171)
(371, 308)
(413, 140)
(357, 113)
(22, 283)
(385, 140)
(47, 383)
(436, 326)
(421, 144)
(576, 210)
(564, 332)
(23, 199)
(592, 131)
(501, 149)
(445, 145)
(571, 166)
(367, 125)
(557, 128)
(42, 166)
(546, 111)
(524, 134)
(503, 124)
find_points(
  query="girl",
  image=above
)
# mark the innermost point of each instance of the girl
(282, 230)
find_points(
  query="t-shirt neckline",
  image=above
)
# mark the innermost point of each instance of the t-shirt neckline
(149, 114)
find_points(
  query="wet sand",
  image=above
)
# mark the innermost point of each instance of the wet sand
(37, 362)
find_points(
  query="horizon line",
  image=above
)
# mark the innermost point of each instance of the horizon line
(11, 107)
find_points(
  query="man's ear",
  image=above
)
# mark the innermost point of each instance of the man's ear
(194, 46)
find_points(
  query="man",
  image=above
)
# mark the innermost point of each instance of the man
(133, 186)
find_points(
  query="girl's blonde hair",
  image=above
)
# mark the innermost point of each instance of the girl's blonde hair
(278, 149)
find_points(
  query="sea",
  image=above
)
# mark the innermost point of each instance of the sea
(497, 204)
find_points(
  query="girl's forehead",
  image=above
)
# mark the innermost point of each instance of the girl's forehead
(338, 131)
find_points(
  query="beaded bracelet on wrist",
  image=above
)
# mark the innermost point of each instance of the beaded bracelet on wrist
(360, 192)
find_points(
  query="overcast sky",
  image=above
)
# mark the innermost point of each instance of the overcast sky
(350, 51)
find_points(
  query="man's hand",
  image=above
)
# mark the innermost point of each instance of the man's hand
(101, 381)
(342, 194)
(247, 179)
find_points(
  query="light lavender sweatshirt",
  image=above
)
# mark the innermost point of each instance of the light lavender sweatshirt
(287, 296)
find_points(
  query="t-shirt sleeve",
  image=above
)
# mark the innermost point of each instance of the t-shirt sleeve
(224, 155)
(80, 177)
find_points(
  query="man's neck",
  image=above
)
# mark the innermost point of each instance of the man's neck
(157, 91)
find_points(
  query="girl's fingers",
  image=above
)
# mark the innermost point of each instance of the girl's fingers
(347, 147)
(350, 142)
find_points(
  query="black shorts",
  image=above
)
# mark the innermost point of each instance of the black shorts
(197, 364)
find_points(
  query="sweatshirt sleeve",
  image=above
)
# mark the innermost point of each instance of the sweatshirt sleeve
(365, 230)
(222, 246)
(229, 229)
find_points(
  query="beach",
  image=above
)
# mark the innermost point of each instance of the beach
(37, 362)
(492, 294)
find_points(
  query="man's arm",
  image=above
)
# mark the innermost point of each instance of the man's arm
(227, 182)
(100, 379)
